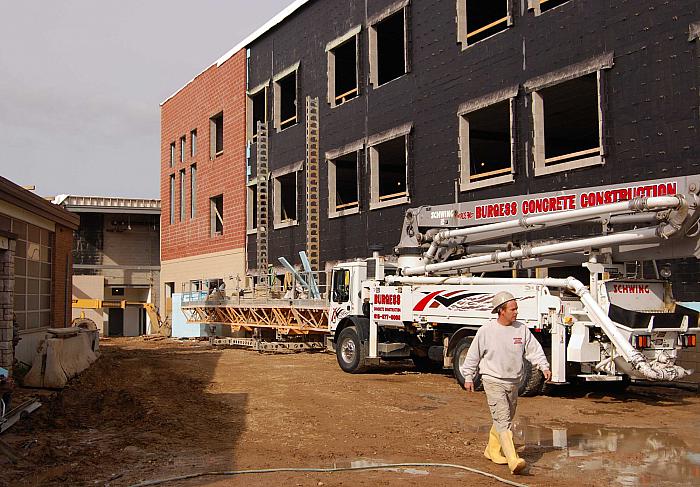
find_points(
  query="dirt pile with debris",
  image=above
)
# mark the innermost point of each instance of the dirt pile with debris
(149, 410)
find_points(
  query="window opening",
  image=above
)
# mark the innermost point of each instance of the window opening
(345, 72)
(550, 4)
(172, 199)
(485, 18)
(489, 141)
(391, 47)
(172, 154)
(193, 143)
(217, 215)
(182, 195)
(391, 167)
(183, 144)
(258, 102)
(193, 190)
(287, 197)
(570, 119)
(287, 90)
(216, 134)
(345, 169)
(252, 206)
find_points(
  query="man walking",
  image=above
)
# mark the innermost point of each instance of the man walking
(498, 350)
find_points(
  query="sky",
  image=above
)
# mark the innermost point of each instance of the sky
(81, 82)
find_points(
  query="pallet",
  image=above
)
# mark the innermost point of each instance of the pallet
(262, 346)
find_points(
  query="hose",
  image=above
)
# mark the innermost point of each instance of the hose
(326, 470)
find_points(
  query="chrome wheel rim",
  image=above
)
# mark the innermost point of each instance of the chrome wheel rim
(347, 351)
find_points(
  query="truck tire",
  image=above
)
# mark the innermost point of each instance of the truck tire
(458, 357)
(350, 352)
(533, 381)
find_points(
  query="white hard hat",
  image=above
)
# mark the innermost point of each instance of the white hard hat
(500, 299)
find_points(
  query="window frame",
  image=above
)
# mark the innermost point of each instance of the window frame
(172, 199)
(172, 154)
(373, 156)
(250, 135)
(213, 136)
(373, 43)
(465, 182)
(277, 222)
(462, 32)
(214, 214)
(183, 148)
(193, 142)
(183, 195)
(532, 87)
(357, 148)
(354, 32)
(277, 96)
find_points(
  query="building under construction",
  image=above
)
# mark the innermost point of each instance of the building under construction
(322, 128)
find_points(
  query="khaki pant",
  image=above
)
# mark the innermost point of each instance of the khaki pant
(502, 399)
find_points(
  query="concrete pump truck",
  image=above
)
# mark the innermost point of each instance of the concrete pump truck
(428, 305)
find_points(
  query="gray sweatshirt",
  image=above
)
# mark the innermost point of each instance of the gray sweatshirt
(498, 351)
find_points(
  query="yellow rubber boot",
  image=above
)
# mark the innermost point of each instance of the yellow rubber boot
(515, 463)
(493, 449)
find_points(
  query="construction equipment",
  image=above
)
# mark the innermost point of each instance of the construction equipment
(158, 325)
(429, 305)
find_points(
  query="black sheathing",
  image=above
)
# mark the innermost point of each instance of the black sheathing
(650, 127)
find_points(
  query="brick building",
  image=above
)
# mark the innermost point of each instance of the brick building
(36, 240)
(202, 184)
(116, 255)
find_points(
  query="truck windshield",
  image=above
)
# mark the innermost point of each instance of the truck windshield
(341, 285)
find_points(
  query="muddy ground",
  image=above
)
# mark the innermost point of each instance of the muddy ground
(151, 410)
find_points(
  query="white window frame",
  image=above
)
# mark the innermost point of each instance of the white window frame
(250, 216)
(193, 191)
(533, 86)
(277, 222)
(193, 142)
(373, 48)
(330, 72)
(401, 131)
(331, 156)
(463, 34)
(183, 195)
(183, 147)
(171, 199)
(465, 180)
(172, 154)
(249, 108)
(277, 95)
(534, 5)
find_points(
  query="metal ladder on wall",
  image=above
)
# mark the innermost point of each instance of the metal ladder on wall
(313, 249)
(263, 200)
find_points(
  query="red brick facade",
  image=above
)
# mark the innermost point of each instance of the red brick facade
(217, 90)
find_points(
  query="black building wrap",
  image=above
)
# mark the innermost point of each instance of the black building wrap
(649, 100)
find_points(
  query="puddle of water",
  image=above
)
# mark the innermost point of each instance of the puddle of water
(365, 462)
(635, 456)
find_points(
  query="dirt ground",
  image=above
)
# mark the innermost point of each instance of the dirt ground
(151, 410)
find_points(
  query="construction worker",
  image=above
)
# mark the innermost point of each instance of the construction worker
(498, 351)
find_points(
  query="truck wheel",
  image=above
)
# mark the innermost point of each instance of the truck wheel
(350, 352)
(533, 381)
(458, 357)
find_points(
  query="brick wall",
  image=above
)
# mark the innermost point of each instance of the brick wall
(218, 89)
(62, 272)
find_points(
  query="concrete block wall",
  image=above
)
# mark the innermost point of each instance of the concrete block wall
(218, 89)
(62, 273)
(7, 279)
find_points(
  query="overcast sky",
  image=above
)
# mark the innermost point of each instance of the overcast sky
(81, 82)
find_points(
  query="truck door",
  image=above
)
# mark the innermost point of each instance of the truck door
(340, 297)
